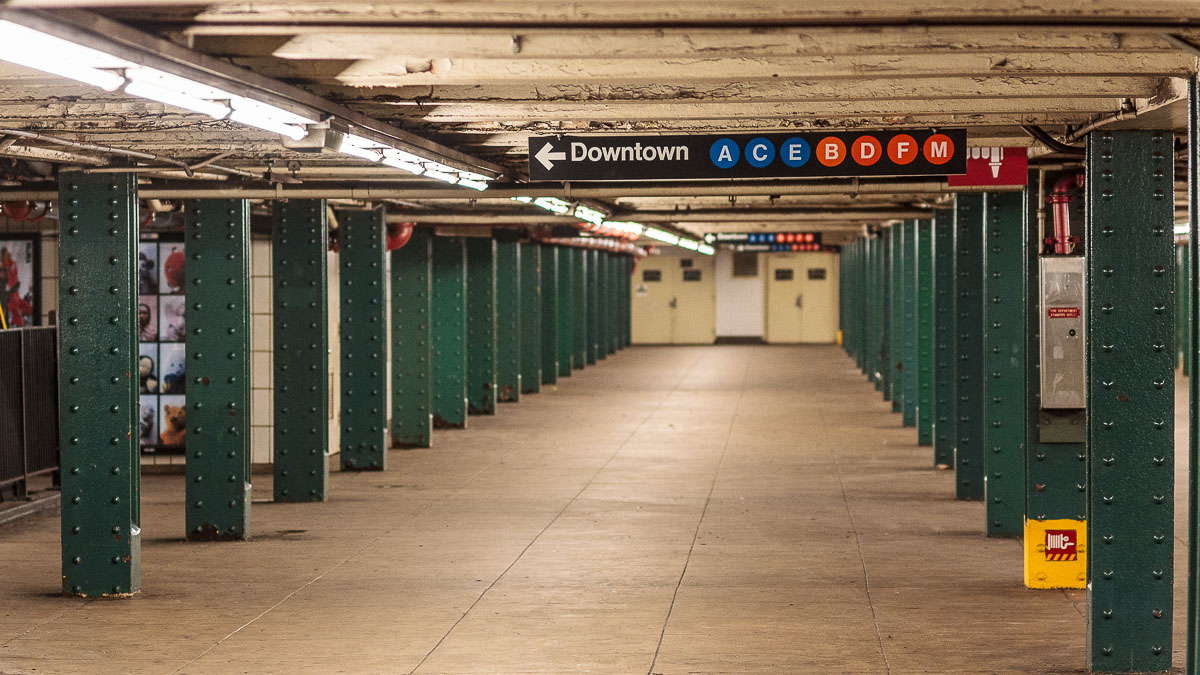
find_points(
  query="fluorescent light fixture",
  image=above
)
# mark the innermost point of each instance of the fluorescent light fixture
(442, 176)
(176, 84)
(398, 159)
(269, 118)
(706, 249)
(588, 214)
(688, 244)
(471, 175)
(625, 227)
(1181, 228)
(473, 184)
(523, 200)
(362, 148)
(660, 235)
(40, 51)
(177, 99)
(553, 204)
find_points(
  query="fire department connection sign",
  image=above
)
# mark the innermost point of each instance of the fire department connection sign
(839, 154)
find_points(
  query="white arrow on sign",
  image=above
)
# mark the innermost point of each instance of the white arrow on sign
(545, 156)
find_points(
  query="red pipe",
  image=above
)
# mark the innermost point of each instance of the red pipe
(1060, 198)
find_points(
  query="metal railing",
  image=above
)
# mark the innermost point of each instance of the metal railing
(28, 407)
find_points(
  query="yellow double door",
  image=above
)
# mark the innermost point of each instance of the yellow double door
(673, 300)
(801, 297)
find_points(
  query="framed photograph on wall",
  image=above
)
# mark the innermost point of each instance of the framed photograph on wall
(20, 281)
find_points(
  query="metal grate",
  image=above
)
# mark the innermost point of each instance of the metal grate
(28, 406)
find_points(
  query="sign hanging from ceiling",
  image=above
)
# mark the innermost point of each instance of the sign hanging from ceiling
(835, 154)
(994, 166)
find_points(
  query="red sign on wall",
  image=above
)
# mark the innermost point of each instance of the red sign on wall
(1062, 312)
(993, 166)
(1061, 545)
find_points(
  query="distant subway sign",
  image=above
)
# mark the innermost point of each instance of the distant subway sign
(835, 154)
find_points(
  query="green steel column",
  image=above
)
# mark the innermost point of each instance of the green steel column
(412, 367)
(364, 339)
(550, 313)
(217, 232)
(591, 286)
(1004, 363)
(301, 351)
(508, 320)
(1185, 300)
(449, 288)
(875, 311)
(925, 338)
(1191, 283)
(579, 295)
(481, 326)
(612, 293)
(1131, 393)
(602, 305)
(565, 296)
(944, 333)
(98, 397)
(626, 300)
(887, 363)
(896, 333)
(1055, 468)
(909, 362)
(531, 317)
(860, 296)
(968, 363)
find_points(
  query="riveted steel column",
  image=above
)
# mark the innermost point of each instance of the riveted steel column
(602, 305)
(925, 337)
(944, 333)
(508, 320)
(550, 313)
(481, 326)
(531, 317)
(565, 297)
(887, 364)
(301, 355)
(579, 296)
(1004, 362)
(875, 310)
(1192, 285)
(1130, 381)
(449, 332)
(217, 232)
(591, 284)
(364, 339)
(1185, 303)
(98, 397)
(614, 299)
(412, 365)
(968, 365)
(908, 298)
(626, 301)
(1055, 469)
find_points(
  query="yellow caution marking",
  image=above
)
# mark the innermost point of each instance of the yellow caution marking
(1056, 553)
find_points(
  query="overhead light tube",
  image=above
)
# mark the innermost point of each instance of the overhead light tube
(49, 54)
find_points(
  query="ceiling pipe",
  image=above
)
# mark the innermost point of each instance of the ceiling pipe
(410, 192)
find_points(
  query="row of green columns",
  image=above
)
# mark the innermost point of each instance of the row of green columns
(985, 350)
(454, 303)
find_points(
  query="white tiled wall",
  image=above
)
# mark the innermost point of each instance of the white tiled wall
(261, 384)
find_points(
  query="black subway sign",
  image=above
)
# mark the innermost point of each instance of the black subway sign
(834, 154)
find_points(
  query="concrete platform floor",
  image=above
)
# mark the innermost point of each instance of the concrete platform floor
(731, 509)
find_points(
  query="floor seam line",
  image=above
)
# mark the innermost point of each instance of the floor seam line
(557, 515)
(699, 523)
(314, 580)
(837, 467)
